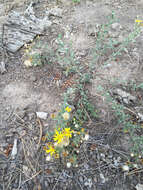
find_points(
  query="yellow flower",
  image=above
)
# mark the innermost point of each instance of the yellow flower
(58, 136)
(68, 109)
(82, 130)
(66, 116)
(138, 21)
(51, 150)
(67, 132)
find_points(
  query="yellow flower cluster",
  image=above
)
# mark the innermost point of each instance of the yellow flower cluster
(68, 109)
(61, 138)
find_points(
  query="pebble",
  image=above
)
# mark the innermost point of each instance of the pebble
(88, 183)
(42, 115)
(139, 186)
(3, 67)
(103, 180)
(116, 26)
(14, 149)
(81, 179)
(125, 168)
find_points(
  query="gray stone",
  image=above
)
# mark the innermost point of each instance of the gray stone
(3, 67)
(126, 97)
(22, 28)
(140, 117)
(88, 183)
(103, 180)
(116, 26)
(81, 179)
(42, 115)
(139, 187)
(14, 149)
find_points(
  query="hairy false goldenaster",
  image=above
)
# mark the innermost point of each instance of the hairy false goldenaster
(68, 132)
(51, 150)
(58, 136)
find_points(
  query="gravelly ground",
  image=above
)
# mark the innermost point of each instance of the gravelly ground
(24, 91)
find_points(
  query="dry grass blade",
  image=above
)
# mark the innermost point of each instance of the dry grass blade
(40, 137)
(36, 174)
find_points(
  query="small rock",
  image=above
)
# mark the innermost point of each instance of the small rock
(102, 155)
(48, 158)
(3, 67)
(81, 179)
(126, 97)
(125, 168)
(114, 34)
(116, 26)
(88, 183)
(139, 186)
(14, 149)
(42, 115)
(140, 117)
(16, 37)
(103, 180)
